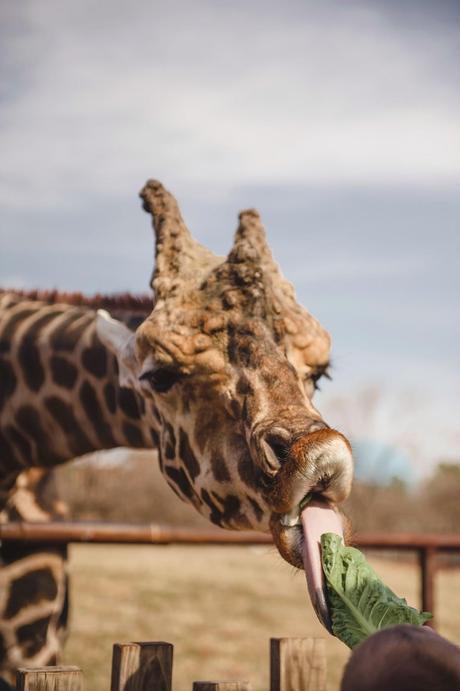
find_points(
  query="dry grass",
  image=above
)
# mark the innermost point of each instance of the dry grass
(218, 605)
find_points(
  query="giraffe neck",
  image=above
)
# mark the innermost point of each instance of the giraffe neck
(60, 397)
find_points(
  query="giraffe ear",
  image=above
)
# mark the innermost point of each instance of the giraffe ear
(114, 335)
(121, 342)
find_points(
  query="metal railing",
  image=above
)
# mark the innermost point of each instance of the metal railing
(426, 546)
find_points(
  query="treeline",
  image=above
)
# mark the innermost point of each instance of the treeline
(433, 506)
(134, 491)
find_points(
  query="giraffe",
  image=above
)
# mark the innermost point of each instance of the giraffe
(219, 378)
(38, 367)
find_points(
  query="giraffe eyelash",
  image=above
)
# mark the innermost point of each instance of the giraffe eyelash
(161, 379)
(317, 373)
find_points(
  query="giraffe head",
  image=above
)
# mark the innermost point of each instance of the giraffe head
(227, 364)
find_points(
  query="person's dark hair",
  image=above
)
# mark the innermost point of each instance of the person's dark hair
(403, 658)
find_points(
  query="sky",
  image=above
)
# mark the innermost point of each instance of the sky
(338, 120)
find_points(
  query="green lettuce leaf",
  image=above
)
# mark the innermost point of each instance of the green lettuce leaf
(359, 603)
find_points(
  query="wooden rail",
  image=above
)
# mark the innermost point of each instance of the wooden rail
(153, 533)
(426, 546)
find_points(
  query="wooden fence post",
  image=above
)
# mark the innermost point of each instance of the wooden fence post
(221, 686)
(297, 664)
(427, 561)
(142, 666)
(49, 679)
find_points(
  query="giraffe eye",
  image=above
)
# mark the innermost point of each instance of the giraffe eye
(315, 379)
(161, 379)
(315, 375)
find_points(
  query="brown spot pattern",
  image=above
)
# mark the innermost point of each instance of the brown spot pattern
(31, 365)
(169, 441)
(110, 397)
(79, 443)
(9, 460)
(68, 333)
(179, 479)
(93, 411)
(21, 442)
(63, 372)
(30, 589)
(9, 329)
(128, 402)
(219, 469)
(187, 456)
(94, 359)
(32, 637)
(7, 381)
(133, 435)
(28, 420)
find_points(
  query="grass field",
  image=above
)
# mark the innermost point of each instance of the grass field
(218, 605)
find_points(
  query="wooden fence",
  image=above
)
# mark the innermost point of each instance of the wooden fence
(296, 664)
(426, 546)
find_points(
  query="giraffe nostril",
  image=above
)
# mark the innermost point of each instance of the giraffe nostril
(276, 449)
(280, 446)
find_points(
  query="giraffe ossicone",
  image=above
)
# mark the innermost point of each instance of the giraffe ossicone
(226, 364)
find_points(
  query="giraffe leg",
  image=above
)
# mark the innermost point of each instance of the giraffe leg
(33, 582)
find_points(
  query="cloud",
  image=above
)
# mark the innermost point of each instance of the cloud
(223, 94)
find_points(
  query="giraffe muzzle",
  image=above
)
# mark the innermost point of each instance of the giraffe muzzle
(318, 463)
(315, 478)
(319, 468)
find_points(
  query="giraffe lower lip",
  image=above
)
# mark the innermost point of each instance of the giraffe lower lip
(293, 517)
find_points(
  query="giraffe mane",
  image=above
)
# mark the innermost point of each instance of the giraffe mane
(121, 301)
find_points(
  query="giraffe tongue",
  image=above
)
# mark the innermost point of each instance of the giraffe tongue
(318, 517)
